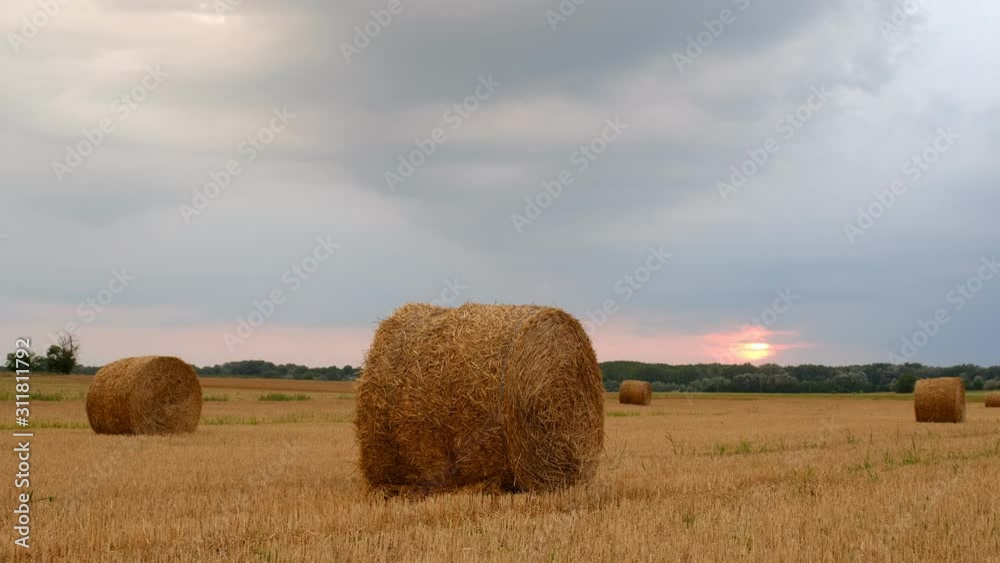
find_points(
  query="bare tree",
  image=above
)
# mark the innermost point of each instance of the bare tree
(61, 357)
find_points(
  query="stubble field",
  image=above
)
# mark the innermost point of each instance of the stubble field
(689, 478)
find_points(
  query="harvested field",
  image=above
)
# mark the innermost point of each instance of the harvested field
(716, 477)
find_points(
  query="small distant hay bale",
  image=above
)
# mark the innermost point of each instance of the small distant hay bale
(940, 399)
(480, 397)
(144, 395)
(634, 392)
(993, 400)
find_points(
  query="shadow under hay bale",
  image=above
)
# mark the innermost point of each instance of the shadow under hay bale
(144, 395)
(993, 400)
(939, 400)
(634, 392)
(487, 397)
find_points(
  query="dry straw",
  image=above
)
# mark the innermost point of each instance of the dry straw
(993, 400)
(940, 400)
(490, 397)
(146, 395)
(635, 392)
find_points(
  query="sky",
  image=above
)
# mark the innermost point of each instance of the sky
(728, 180)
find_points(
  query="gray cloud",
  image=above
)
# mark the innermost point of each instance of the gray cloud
(656, 185)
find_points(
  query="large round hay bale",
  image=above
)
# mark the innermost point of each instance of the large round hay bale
(940, 400)
(145, 395)
(635, 392)
(993, 400)
(494, 397)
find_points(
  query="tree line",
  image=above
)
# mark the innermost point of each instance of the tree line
(808, 378)
(690, 378)
(262, 369)
(61, 358)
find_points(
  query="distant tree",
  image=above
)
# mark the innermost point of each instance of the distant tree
(905, 383)
(813, 373)
(992, 385)
(747, 383)
(716, 384)
(851, 382)
(34, 361)
(783, 383)
(648, 373)
(977, 384)
(771, 369)
(880, 376)
(62, 357)
(710, 384)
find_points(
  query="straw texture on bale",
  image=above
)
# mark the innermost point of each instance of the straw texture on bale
(145, 395)
(488, 397)
(940, 399)
(635, 392)
(993, 400)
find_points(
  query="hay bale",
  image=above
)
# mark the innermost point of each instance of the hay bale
(635, 392)
(145, 395)
(993, 400)
(940, 400)
(493, 397)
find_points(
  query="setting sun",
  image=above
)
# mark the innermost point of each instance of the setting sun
(756, 351)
